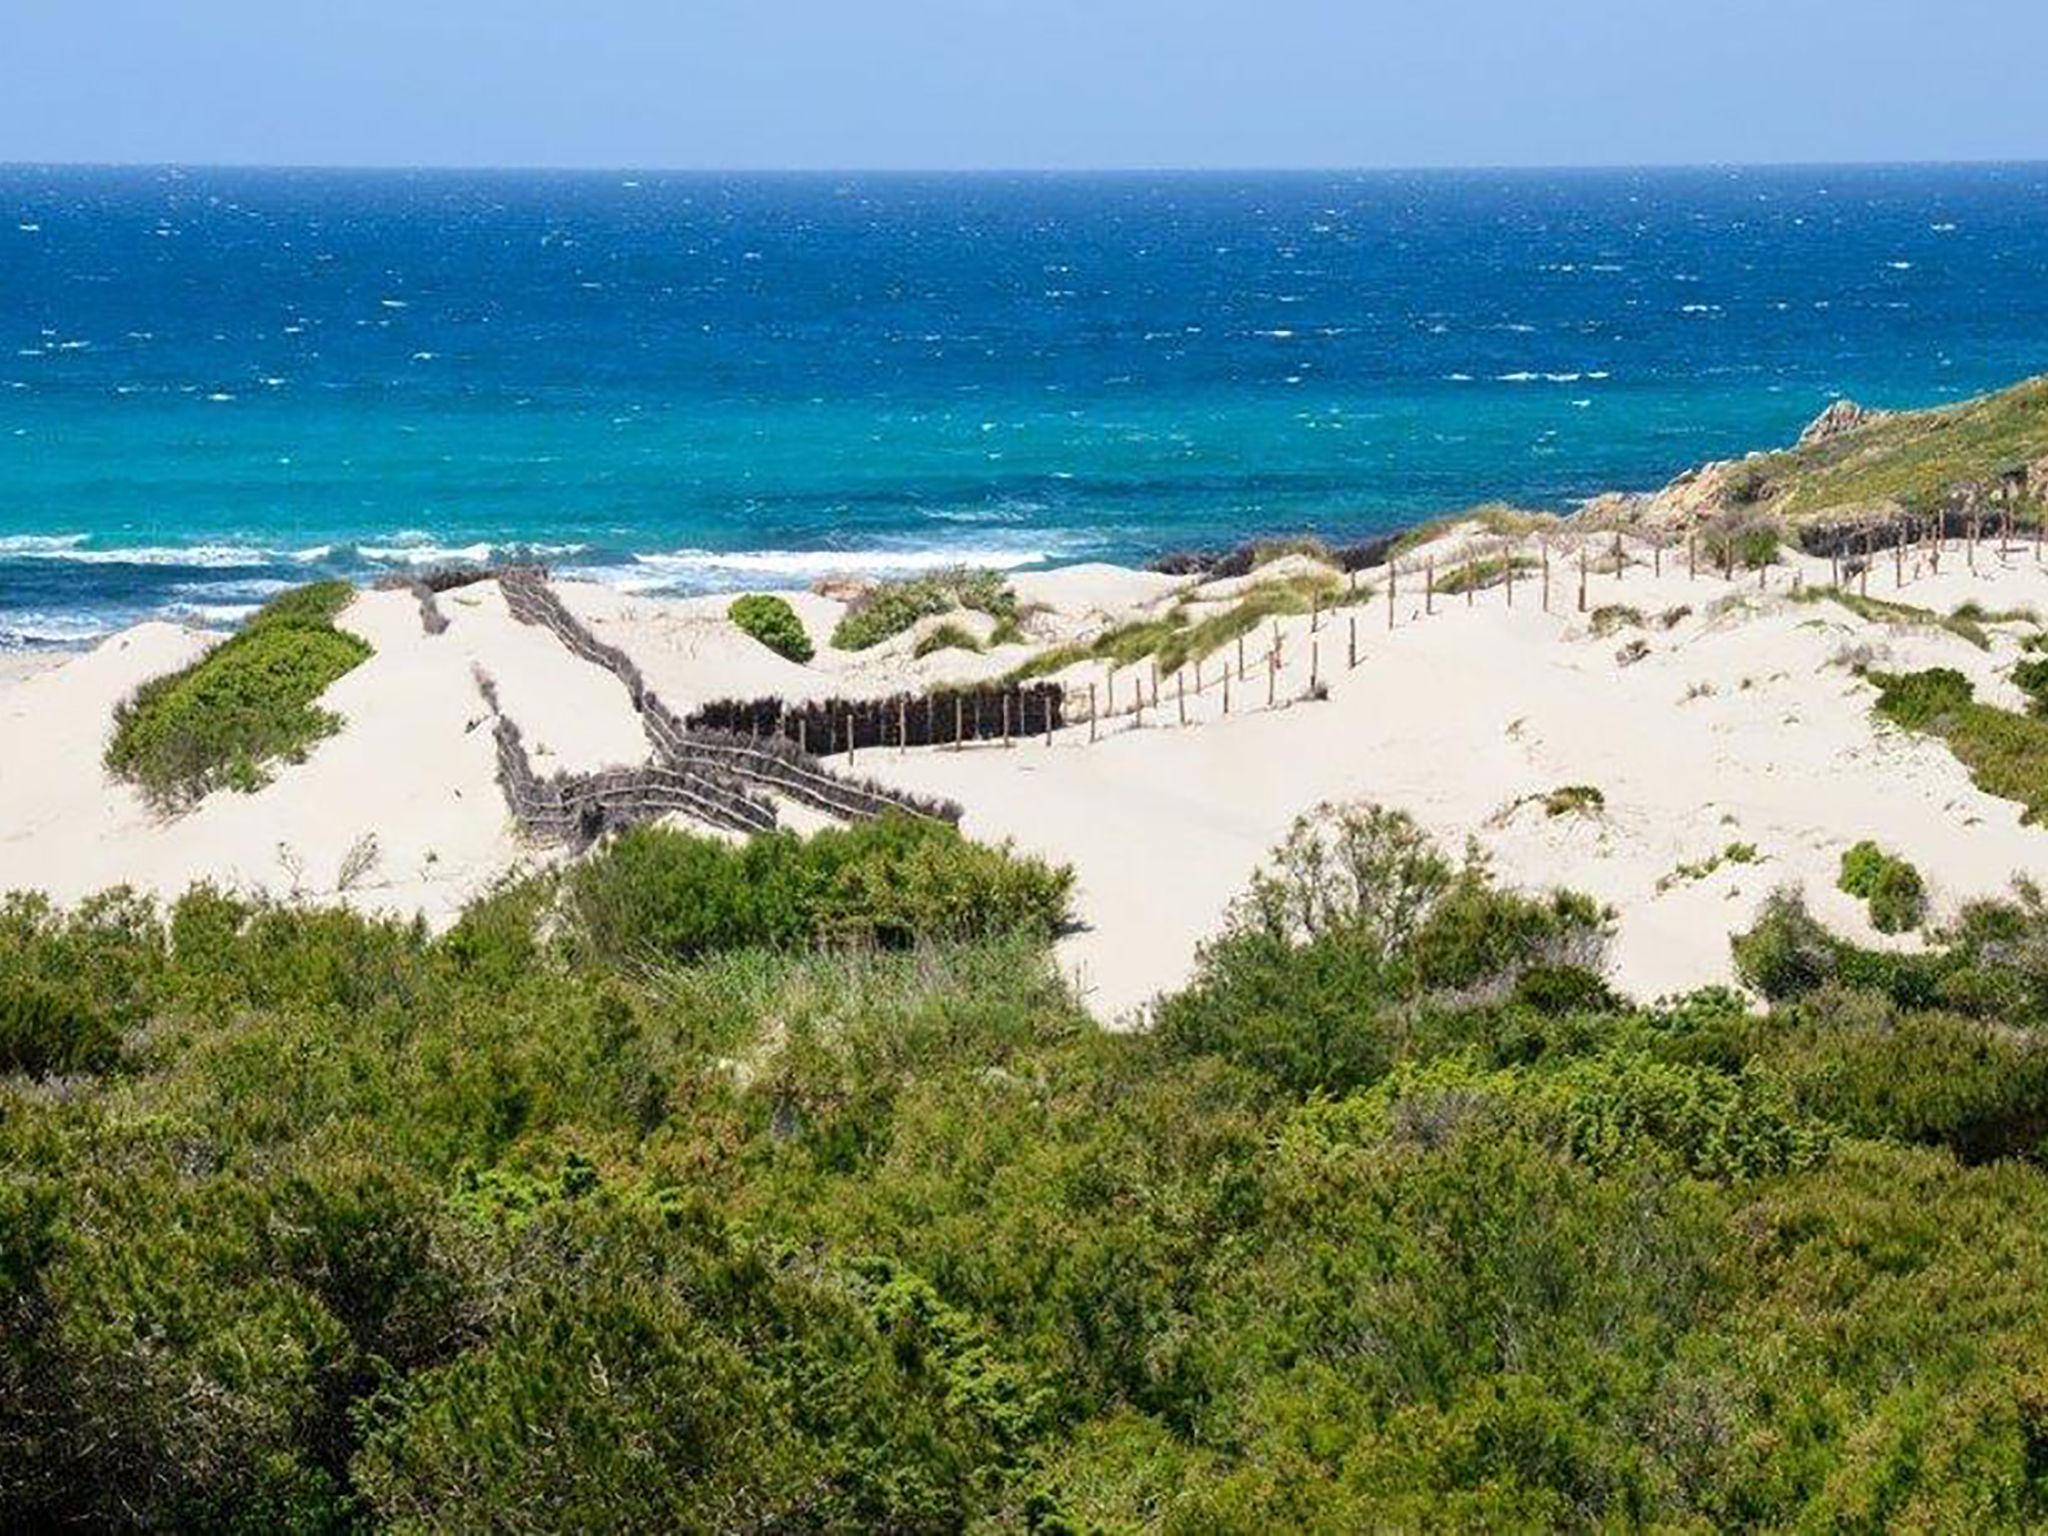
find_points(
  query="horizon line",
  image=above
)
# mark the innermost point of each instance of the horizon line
(1248, 169)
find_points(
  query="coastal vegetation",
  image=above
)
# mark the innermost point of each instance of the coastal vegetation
(1892, 888)
(246, 704)
(945, 637)
(2006, 752)
(589, 1214)
(889, 608)
(1916, 461)
(1180, 635)
(770, 620)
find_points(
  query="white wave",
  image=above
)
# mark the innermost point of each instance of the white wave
(708, 568)
(211, 615)
(199, 556)
(1518, 377)
(1459, 378)
(20, 630)
(425, 554)
(244, 588)
(1900, 266)
(39, 543)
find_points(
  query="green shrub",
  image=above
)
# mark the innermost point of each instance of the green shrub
(248, 702)
(2006, 753)
(653, 893)
(891, 607)
(2031, 678)
(1356, 917)
(1892, 887)
(770, 620)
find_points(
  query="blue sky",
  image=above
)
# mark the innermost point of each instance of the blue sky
(1053, 83)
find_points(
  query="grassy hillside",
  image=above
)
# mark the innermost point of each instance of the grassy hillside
(1398, 1220)
(1913, 460)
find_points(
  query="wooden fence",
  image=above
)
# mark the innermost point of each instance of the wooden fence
(942, 717)
(702, 771)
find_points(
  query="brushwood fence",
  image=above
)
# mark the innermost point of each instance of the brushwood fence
(578, 808)
(697, 768)
(943, 717)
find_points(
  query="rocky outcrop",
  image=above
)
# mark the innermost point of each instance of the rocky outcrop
(1841, 416)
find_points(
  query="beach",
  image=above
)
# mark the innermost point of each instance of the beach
(1712, 731)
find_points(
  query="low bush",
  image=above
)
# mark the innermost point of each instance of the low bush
(891, 607)
(770, 620)
(1892, 888)
(1357, 919)
(245, 704)
(656, 894)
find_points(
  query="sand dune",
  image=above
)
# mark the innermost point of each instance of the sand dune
(1740, 722)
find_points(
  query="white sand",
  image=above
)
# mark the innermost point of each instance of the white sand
(1739, 725)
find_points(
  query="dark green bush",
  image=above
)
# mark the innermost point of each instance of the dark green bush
(1357, 918)
(245, 704)
(2031, 678)
(656, 893)
(1892, 887)
(770, 620)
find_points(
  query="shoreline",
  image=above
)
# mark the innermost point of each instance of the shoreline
(1707, 713)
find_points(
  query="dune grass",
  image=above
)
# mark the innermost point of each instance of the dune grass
(891, 607)
(248, 703)
(1964, 623)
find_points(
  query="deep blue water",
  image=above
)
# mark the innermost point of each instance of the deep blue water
(213, 383)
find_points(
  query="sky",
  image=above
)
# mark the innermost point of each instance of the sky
(1059, 84)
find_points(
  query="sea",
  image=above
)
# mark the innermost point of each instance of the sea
(217, 383)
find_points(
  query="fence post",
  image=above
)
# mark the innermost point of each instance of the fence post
(1240, 661)
(1657, 557)
(1091, 714)
(803, 735)
(902, 725)
(1692, 554)
(1045, 699)
(1354, 640)
(1620, 558)
(1582, 578)
(1180, 691)
(959, 722)
(1546, 575)
(849, 741)
(1272, 675)
(1006, 722)
(1393, 582)
(1226, 690)
(1429, 586)
(1314, 660)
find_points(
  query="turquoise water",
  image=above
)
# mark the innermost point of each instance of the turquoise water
(215, 383)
